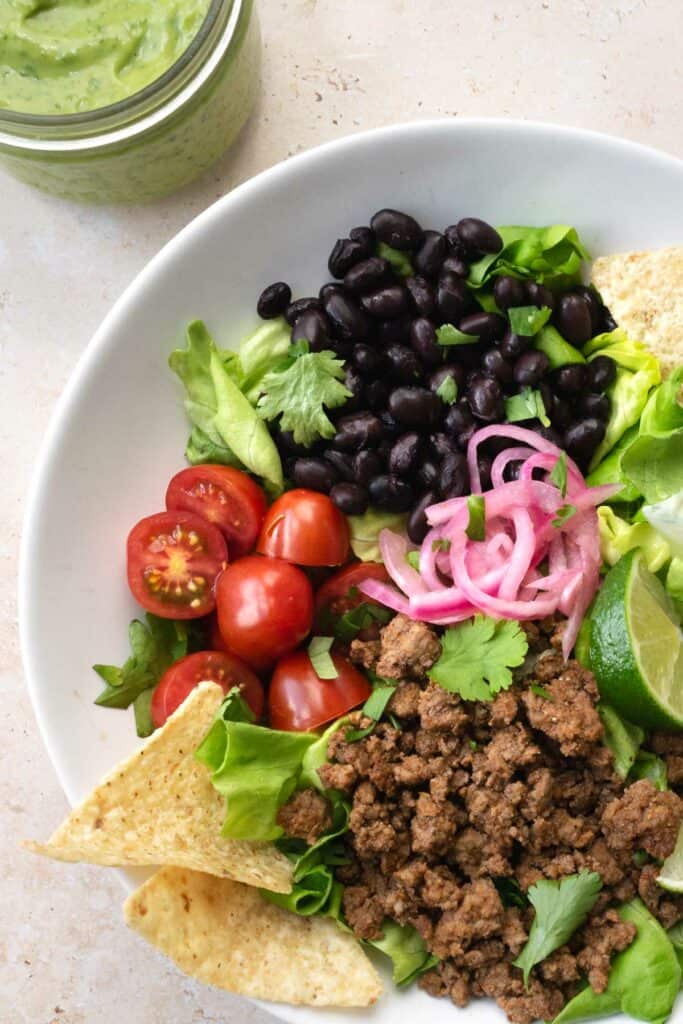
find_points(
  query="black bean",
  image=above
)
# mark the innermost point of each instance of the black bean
(387, 303)
(452, 299)
(404, 364)
(399, 230)
(454, 241)
(365, 237)
(299, 307)
(392, 428)
(470, 355)
(494, 364)
(484, 466)
(366, 359)
(571, 379)
(608, 322)
(582, 438)
(602, 371)
(367, 276)
(487, 327)
(366, 466)
(509, 292)
(330, 288)
(358, 430)
(398, 330)
(376, 394)
(314, 474)
(351, 499)
(573, 318)
(273, 300)
(530, 368)
(391, 494)
(415, 407)
(458, 418)
(538, 295)
(452, 370)
(428, 473)
(486, 400)
(594, 305)
(344, 255)
(441, 445)
(454, 479)
(284, 439)
(313, 327)
(404, 454)
(594, 406)
(478, 236)
(417, 525)
(349, 323)
(342, 462)
(431, 254)
(512, 345)
(384, 448)
(354, 382)
(422, 296)
(559, 412)
(424, 343)
(455, 265)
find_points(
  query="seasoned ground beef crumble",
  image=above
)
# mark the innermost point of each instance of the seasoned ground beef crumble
(466, 794)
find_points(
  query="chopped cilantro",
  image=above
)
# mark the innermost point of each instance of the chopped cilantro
(528, 320)
(558, 474)
(476, 527)
(448, 390)
(349, 625)
(413, 559)
(563, 515)
(374, 708)
(448, 334)
(441, 544)
(299, 395)
(541, 691)
(399, 261)
(477, 655)
(321, 659)
(527, 405)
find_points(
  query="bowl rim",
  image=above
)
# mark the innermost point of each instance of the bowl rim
(104, 336)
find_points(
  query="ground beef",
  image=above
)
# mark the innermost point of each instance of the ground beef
(305, 816)
(457, 806)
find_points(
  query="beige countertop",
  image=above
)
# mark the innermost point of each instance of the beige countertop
(331, 69)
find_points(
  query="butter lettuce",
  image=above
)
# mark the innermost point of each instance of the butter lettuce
(654, 461)
(551, 254)
(623, 738)
(637, 373)
(617, 536)
(216, 406)
(644, 979)
(365, 532)
(609, 471)
(406, 949)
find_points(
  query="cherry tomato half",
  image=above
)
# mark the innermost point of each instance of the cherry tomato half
(173, 561)
(225, 497)
(265, 608)
(334, 595)
(299, 700)
(180, 679)
(307, 528)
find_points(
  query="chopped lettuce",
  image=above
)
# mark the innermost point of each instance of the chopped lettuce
(551, 254)
(216, 405)
(644, 979)
(648, 766)
(654, 465)
(365, 532)
(254, 768)
(617, 536)
(637, 373)
(623, 738)
(609, 471)
(556, 348)
(667, 518)
(406, 949)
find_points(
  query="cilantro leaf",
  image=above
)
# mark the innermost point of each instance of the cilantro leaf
(300, 393)
(541, 692)
(374, 708)
(527, 405)
(321, 659)
(399, 261)
(476, 526)
(349, 625)
(558, 474)
(477, 655)
(413, 560)
(447, 390)
(561, 907)
(448, 334)
(528, 320)
(563, 515)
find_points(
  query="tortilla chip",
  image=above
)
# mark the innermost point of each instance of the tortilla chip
(225, 934)
(159, 807)
(644, 292)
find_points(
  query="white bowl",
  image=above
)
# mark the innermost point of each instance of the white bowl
(119, 430)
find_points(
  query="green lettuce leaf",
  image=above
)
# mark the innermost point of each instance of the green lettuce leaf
(254, 768)
(622, 738)
(365, 532)
(406, 949)
(654, 465)
(551, 254)
(260, 352)
(316, 755)
(648, 766)
(617, 536)
(675, 936)
(201, 449)
(644, 979)
(299, 395)
(609, 471)
(637, 373)
(215, 404)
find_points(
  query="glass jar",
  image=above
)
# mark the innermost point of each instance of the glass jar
(155, 140)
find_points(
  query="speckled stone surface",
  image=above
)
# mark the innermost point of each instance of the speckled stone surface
(330, 69)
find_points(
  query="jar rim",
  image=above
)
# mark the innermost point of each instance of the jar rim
(100, 124)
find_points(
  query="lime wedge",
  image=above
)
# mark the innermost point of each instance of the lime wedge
(671, 876)
(635, 646)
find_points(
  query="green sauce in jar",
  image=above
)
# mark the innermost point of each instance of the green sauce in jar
(71, 56)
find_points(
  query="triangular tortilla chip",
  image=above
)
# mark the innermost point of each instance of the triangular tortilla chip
(225, 934)
(644, 293)
(159, 807)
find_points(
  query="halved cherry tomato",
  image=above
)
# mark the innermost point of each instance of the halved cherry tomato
(173, 561)
(180, 679)
(225, 497)
(335, 595)
(307, 528)
(265, 608)
(299, 700)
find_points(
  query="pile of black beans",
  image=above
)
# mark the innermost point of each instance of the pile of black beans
(399, 446)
